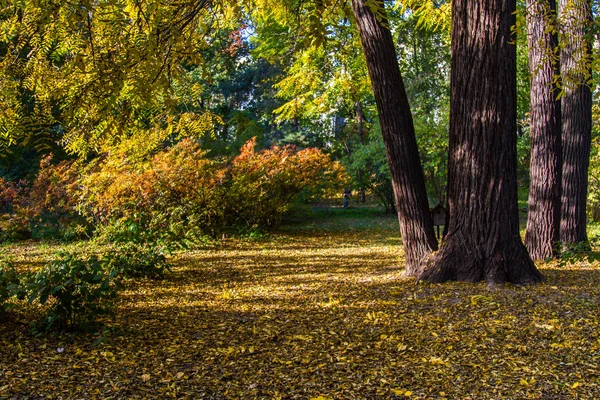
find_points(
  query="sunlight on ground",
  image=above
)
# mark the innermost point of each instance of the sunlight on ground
(299, 316)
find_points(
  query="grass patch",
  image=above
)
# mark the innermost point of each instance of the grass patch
(339, 220)
(317, 310)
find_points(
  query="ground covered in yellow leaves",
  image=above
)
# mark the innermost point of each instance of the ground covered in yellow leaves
(317, 310)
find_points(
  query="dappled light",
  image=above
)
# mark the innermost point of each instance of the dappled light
(297, 316)
(239, 200)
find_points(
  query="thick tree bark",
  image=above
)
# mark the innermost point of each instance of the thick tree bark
(576, 17)
(398, 133)
(483, 241)
(543, 218)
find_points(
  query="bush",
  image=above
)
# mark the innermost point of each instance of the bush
(264, 183)
(175, 196)
(77, 292)
(44, 208)
(14, 219)
(140, 260)
(9, 283)
(178, 195)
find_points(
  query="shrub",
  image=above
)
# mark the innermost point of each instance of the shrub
(77, 292)
(44, 208)
(181, 195)
(140, 260)
(175, 196)
(264, 183)
(14, 215)
(9, 283)
(53, 199)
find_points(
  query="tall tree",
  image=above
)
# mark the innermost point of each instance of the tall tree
(483, 241)
(543, 218)
(398, 133)
(106, 71)
(575, 59)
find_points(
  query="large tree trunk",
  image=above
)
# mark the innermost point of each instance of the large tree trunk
(576, 17)
(483, 241)
(398, 133)
(543, 218)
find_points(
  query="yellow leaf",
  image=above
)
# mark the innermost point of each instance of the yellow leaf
(545, 326)
(301, 337)
(575, 385)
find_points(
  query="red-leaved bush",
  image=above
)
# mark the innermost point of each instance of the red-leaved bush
(182, 194)
(54, 196)
(45, 207)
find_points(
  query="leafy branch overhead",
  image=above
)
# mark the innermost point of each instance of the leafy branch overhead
(100, 70)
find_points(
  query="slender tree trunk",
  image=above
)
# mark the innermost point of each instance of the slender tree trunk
(576, 17)
(398, 133)
(483, 241)
(543, 218)
(362, 192)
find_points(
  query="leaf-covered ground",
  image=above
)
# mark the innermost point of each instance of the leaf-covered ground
(317, 311)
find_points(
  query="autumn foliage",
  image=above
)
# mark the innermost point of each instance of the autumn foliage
(46, 206)
(181, 193)
(178, 194)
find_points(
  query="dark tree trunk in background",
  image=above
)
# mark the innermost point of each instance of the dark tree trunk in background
(398, 133)
(362, 192)
(483, 241)
(543, 217)
(576, 17)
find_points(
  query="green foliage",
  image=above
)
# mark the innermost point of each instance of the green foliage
(139, 261)
(76, 292)
(9, 283)
(579, 253)
(368, 164)
(431, 14)
(594, 169)
(101, 71)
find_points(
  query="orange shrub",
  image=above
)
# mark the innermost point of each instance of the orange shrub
(45, 207)
(176, 194)
(181, 194)
(14, 224)
(264, 183)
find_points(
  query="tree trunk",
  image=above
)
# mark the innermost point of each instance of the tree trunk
(416, 226)
(483, 241)
(362, 192)
(576, 17)
(543, 218)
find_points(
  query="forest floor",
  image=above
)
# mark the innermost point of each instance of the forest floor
(316, 311)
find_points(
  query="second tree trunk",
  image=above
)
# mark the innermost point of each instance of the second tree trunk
(398, 133)
(483, 241)
(543, 217)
